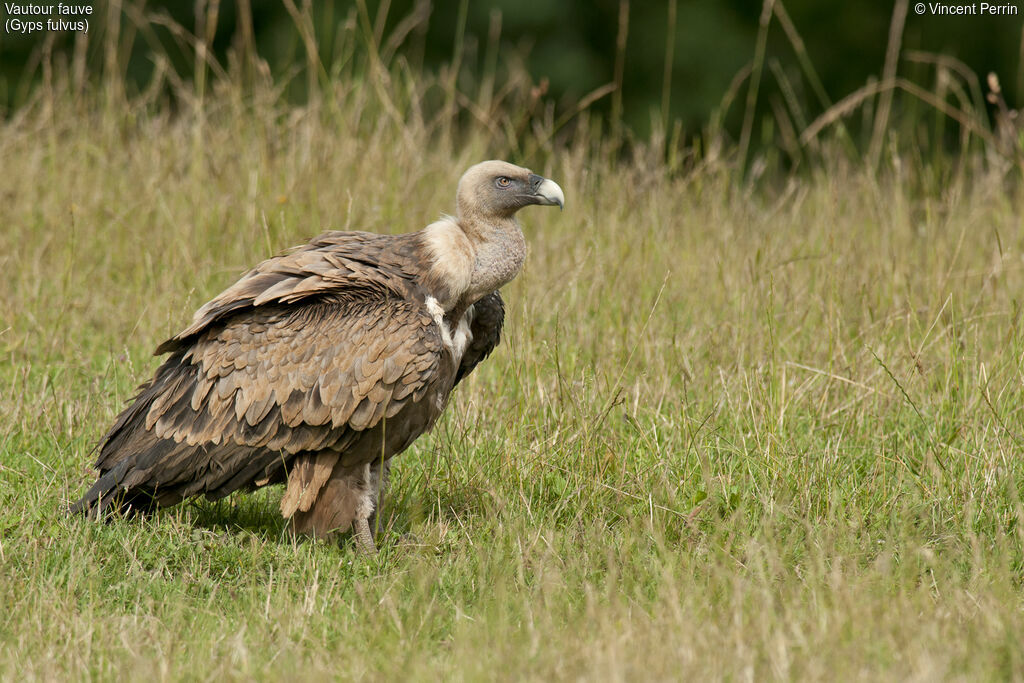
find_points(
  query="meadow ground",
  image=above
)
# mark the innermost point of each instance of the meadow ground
(731, 432)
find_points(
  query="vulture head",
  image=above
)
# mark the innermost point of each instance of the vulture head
(497, 189)
(483, 248)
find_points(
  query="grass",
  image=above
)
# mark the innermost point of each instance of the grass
(732, 432)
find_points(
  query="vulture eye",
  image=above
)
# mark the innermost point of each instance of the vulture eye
(502, 181)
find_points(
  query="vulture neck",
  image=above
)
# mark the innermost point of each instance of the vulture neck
(471, 256)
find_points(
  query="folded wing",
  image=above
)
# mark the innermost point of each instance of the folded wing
(305, 353)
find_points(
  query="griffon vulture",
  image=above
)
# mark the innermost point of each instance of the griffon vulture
(321, 364)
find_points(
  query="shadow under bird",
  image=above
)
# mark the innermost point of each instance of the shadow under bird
(321, 364)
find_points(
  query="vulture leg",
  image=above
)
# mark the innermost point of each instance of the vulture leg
(364, 539)
(365, 529)
(379, 478)
(331, 499)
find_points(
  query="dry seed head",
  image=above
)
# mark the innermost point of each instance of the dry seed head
(993, 83)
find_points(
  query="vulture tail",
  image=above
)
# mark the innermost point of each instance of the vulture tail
(129, 453)
(106, 496)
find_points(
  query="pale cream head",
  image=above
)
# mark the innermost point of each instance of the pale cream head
(498, 189)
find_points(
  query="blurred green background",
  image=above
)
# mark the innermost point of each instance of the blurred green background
(569, 48)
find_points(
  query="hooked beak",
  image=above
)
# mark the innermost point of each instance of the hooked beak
(547, 192)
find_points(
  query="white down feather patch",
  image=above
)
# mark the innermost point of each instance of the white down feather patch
(462, 336)
(455, 343)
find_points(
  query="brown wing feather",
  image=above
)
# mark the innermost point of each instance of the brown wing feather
(249, 386)
(331, 263)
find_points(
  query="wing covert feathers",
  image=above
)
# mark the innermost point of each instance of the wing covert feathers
(335, 263)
